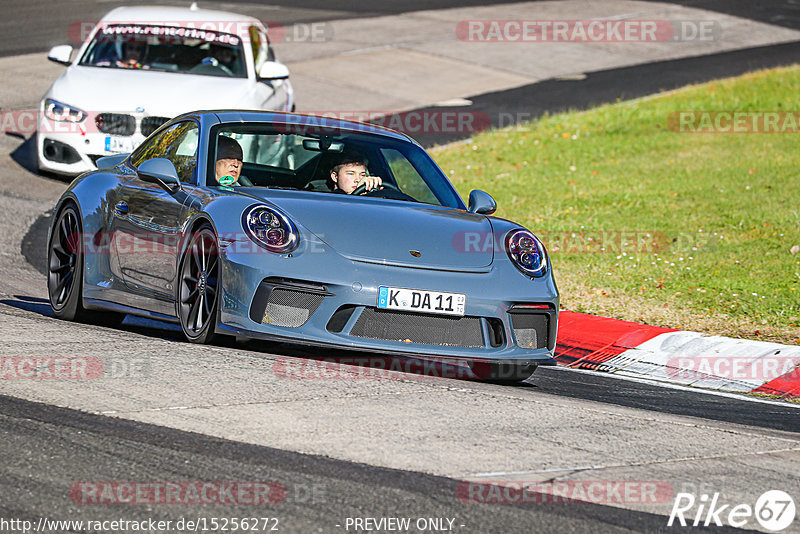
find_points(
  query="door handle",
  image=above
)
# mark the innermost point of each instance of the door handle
(121, 208)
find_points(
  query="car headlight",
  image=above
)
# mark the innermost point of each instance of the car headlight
(526, 252)
(270, 229)
(56, 111)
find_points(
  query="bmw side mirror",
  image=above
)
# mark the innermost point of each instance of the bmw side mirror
(481, 202)
(160, 171)
(61, 54)
(272, 70)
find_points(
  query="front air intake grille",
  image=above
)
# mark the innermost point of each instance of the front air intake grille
(530, 329)
(115, 123)
(417, 328)
(291, 307)
(60, 152)
(151, 124)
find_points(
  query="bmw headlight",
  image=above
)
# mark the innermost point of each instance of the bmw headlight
(270, 229)
(56, 111)
(526, 252)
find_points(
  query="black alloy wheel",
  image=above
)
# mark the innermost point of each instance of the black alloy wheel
(65, 265)
(198, 290)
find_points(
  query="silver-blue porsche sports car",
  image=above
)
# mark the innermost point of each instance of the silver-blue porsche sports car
(301, 229)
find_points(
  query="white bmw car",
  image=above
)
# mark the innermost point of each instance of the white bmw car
(141, 66)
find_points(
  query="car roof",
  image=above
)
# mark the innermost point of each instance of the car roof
(165, 14)
(304, 121)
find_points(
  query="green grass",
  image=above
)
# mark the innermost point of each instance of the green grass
(723, 209)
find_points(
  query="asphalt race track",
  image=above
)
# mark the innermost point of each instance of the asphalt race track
(396, 446)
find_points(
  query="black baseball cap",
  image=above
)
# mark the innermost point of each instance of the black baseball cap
(228, 148)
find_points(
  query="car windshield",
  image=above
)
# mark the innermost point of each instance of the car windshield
(166, 48)
(305, 161)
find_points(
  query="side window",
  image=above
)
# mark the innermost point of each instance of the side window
(408, 179)
(270, 51)
(178, 143)
(185, 151)
(260, 44)
(153, 148)
(258, 50)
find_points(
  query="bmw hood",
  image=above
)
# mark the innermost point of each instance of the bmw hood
(392, 232)
(165, 94)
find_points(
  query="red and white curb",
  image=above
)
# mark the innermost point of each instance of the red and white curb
(678, 357)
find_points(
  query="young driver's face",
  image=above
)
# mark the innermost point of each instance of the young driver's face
(349, 177)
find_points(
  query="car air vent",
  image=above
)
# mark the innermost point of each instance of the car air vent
(419, 328)
(115, 123)
(289, 307)
(283, 302)
(151, 124)
(530, 329)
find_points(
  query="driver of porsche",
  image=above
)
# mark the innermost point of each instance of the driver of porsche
(350, 173)
(228, 167)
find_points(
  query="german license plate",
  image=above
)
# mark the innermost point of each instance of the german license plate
(420, 300)
(120, 145)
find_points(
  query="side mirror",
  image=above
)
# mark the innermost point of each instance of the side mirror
(160, 171)
(481, 202)
(61, 54)
(110, 161)
(272, 70)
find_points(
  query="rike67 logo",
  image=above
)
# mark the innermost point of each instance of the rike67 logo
(774, 510)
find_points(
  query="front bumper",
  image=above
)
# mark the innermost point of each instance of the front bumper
(353, 286)
(72, 149)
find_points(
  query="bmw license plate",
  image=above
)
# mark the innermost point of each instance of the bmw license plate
(119, 144)
(419, 300)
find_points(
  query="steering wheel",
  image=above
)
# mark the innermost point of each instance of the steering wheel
(361, 189)
(212, 66)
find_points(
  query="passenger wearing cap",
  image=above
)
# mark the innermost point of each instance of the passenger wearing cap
(229, 161)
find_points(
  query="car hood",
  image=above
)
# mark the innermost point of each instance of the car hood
(386, 231)
(165, 94)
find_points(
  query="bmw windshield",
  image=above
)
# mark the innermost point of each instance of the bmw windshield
(166, 49)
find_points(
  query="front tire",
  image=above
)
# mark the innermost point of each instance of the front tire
(198, 286)
(65, 265)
